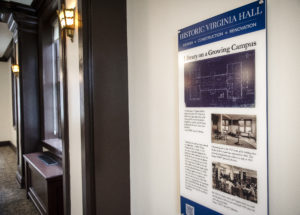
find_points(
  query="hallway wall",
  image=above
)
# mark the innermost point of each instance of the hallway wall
(153, 100)
(284, 104)
(7, 131)
(74, 119)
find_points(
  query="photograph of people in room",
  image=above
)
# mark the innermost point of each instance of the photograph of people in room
(235, 181)
(234, 130)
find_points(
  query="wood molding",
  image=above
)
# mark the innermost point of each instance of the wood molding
(86, 100)
(26, 22)
(65, 121)
(37, 4)
(65, 130)
(4, 143)
(20, 179)
(9, 7)
(45, 8)
(54, 146)
(103, 94)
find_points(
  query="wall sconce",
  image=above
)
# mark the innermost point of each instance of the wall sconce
(15, 69)
(67, 20)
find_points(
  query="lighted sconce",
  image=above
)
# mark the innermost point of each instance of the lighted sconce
(67, 21)
(15, 68)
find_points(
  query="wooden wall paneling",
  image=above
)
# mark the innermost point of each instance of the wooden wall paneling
(104, 96)
(86, 99)
(9, 7)
(24, 29)
(65, 129)
(29, 91)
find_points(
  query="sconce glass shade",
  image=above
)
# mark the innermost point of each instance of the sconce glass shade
(67, 21)
(70, 18)
(66, 17)
(15, 68)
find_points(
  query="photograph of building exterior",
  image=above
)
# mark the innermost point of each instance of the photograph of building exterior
(226, 81)
(234, 130)
(234, 180)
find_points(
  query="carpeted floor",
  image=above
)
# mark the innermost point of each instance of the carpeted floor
(13, 200)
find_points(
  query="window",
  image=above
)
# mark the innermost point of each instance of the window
(225, 124)
(52, 85)
(56, 84)
(245, 126)
(242, 126)
(248, 127)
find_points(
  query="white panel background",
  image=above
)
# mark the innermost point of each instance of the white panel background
(259, 163)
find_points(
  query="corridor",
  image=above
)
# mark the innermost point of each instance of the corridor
(13, 200)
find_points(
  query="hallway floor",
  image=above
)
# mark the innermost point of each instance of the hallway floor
(13, 200)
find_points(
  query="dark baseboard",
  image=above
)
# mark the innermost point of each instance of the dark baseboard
(4, 143)
(8, 143)
(20, 180)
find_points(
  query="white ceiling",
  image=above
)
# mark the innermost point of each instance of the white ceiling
(26, 2)
(5, 38)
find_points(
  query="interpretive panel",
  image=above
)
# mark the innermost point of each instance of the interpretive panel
(223, 114)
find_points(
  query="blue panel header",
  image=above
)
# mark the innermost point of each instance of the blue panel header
(189, 207)
(243, 20)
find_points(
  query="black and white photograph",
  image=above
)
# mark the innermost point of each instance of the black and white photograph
(234, 180)
(234, 130)
(225, 81)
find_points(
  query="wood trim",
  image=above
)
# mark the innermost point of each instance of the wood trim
(54, 146)
(104, 92)
(86, 100)
(37, 4)
(4, 143)
(46, 8)
(20, 179)
(9, 7)
(65, 132)
(37, 203)
(65, 122)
